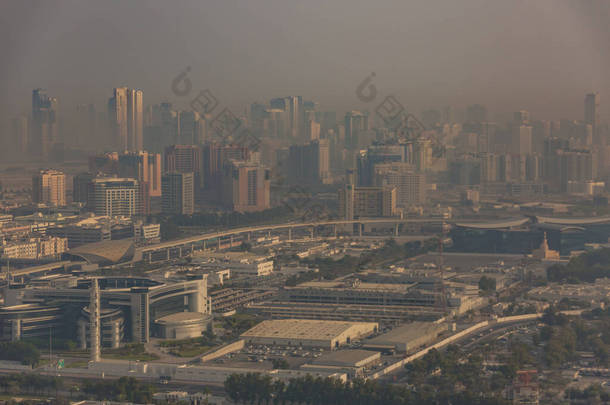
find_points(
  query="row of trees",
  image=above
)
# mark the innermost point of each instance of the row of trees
(123, 389)
(13, 384)
(254, 388)
(564, 336)
(21, 351)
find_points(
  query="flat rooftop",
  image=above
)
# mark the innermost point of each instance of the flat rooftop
(405, 333)
(347, 358)
(304, 329)
(181, 317)
(351, 284)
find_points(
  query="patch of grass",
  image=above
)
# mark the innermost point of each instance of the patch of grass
(132, 351)
(133, 357)
(190, 351)
(77, 364)
(190, 347)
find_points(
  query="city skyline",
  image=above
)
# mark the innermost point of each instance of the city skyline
(467, 68)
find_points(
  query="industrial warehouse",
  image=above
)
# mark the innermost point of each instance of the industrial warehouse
(308, 333)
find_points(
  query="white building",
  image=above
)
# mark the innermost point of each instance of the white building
(114, 197)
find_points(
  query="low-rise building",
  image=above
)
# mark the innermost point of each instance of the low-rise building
(308, 333)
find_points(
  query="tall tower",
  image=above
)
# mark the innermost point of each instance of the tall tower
(44, 124)
(592, 113)
(94, 319)
(126, 115)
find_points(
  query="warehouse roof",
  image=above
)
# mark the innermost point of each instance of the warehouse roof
(405, 333)
(347, 358)
(304, 329)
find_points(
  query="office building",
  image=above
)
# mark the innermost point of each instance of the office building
(44, 134)
(125, 113)
(186, 159)
(49, 187)
(410, 185)
(178, 195)
(246, 186)
(136, 302)
(115, 197)
(309, 163)
(215, 156)
(376, 154)
(366, 202)
(355, 124)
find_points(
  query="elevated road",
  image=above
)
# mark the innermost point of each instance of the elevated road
(199, 241)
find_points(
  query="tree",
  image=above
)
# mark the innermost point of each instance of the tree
(487, 284)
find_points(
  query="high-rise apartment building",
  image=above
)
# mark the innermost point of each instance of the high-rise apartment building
(410, 185)
(592, 114)
(49, 187)
(363, 202)
(44, 132)
(125, 112)
(178, 193)
(115, 197)
(521, 140)
(246, 186)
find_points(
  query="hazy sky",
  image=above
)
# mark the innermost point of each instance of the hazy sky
(541, 55)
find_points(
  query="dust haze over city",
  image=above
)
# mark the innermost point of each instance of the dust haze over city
(322, 202)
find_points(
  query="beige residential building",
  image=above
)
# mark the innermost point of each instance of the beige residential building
(49, 187)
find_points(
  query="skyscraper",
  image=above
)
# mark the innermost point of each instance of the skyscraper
(521, 139)
(309, 163)
(49, 187)
(178, 193)
(293, 106)
(355, 123)
(246, 186)
(125, 112)
(592, 114)
(44, 124)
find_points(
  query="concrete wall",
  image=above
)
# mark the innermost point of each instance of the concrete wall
(230, 348)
